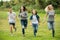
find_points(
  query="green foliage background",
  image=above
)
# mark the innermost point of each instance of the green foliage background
(30, 4)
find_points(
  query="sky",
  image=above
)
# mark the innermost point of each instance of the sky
(5, 0)
(0, 0)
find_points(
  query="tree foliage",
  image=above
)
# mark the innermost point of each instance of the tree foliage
(31, 3)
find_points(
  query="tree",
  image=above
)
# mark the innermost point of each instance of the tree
(1, 3)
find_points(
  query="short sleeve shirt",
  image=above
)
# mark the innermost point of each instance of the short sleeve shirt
(51, 15)
(11, 17)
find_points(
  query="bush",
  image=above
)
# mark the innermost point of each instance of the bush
(16, 8)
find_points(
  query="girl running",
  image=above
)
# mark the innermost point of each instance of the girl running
(50, 13)
(23, 16)
(34, 21)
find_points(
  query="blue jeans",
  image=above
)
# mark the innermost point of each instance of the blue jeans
(24, 25)
(51, 27)
(35, 27)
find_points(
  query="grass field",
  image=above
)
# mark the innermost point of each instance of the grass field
(43, 32)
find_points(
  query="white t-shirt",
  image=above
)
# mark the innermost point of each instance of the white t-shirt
(34, 20)
(11, 17)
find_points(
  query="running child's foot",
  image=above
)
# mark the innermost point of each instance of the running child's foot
(35, 34)
(23, 35)
(11, 34)
(53, 33)
(15, 29)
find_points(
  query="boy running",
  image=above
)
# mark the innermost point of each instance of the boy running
(11, 19)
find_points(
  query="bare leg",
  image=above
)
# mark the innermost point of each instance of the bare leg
(11, 30)
(14, 28)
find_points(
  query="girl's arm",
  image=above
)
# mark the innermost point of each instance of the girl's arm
(19, 15)
(45, 17)
(30, 20)
(30, 23)
(54, 14)
(25, 16)
(8, 16)
(39, 20)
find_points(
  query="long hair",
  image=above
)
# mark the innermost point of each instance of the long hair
(48, 8)
(24, 9)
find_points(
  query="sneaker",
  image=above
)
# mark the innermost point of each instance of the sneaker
(35, 34)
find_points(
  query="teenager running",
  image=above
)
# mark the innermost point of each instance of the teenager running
(11, 19)
(50, 13)
(34, 21)
(23, 18)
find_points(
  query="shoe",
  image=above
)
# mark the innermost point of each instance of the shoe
(35, 34)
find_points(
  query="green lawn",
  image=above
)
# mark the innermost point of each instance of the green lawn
(43, 32)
